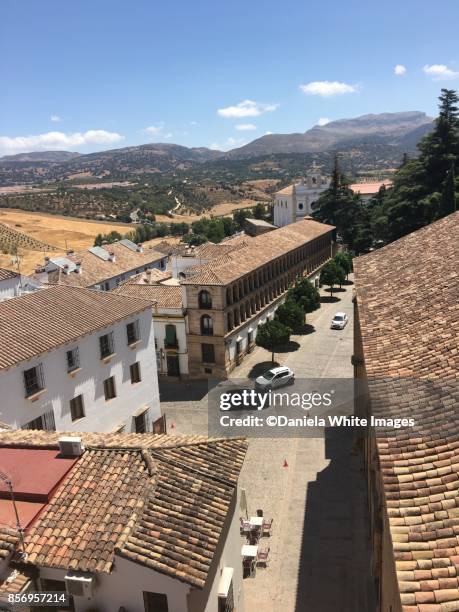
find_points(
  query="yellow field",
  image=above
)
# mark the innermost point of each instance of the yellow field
(61, 232)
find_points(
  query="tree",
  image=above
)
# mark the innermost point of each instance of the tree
(448, 195)
(344, 260)
(290, 314)
(239, 217)
(305, 294)
(330, 275)
(259, 212)
(271, 335)
(421, 193)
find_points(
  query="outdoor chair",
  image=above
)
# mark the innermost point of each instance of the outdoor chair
(249, 567)
(253, 536)
(262, 557)
(266, 528)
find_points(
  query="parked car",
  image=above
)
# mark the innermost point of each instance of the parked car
(275, 377)
(339, 320)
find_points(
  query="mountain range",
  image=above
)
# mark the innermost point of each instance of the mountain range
(389, 134)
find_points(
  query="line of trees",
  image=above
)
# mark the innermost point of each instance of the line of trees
(424, 189)
(301, 298)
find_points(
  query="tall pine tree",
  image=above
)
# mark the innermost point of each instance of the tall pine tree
(420, 191)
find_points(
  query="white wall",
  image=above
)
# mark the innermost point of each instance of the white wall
(170, 316)
(61, 386)
(180, 263)
(124, 586)
(252, 324)
(9, 288)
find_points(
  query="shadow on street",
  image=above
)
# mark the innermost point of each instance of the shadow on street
(335, 558)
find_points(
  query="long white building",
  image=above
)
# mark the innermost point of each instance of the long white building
(77, 359)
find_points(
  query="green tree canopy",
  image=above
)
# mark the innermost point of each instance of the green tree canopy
(331, 274)
(291, 314)
(423, 187)
(304, 293)
(271, 335)
(344, 260)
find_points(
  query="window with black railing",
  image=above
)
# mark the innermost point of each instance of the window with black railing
(33, 380)
(73, 360)
(207, 326)
(107, 345)
(170, 341)
(205, 299)
(132, 332)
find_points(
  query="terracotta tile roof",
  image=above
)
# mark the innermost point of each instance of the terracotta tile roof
(164, 296)
(259, 250)
(27, 438)
(8, 541)
(408, 305)
(207, 250)
(7, 274)
(160, 501)
(95, 270)
(37, 322)
(369, 188)
(15, 581)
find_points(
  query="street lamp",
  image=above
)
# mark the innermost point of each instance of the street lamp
(7, 480)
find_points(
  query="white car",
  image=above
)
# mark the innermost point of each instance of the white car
(276, 377)
(339, 320)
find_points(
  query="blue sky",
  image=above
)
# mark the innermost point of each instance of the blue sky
(97, 74)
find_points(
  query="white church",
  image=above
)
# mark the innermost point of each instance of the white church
(294, 202)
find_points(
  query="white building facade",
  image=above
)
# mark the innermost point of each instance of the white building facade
(105, 380)
(294, 203)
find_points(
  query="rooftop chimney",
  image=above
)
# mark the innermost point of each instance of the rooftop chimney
(78, 268)
(139, 248)
(70, 252)
(111, 256)
(66, 268)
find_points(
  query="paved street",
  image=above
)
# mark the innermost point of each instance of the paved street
(313, 488)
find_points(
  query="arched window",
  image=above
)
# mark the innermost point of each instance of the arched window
(228, 297)
(205, 299)
(207, 326)
(235, 293)
(230, 321)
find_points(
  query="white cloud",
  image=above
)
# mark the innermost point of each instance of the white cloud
(158, 131)
(268, 133)
(247, 108)
(231, 143)
(399, 69)
(245, 127)
(323, 121)
(154, 130)
(440, 72)
(326, 89)
(194, 123)
(56, 118)
(56, 140)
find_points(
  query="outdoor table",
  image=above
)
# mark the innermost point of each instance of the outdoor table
(256, 521)
(249, 550)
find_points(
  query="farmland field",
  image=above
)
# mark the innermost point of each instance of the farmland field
(60, 232)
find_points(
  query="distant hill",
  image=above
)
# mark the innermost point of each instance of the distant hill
(396, 129)
(41, 156)
(371, 143)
